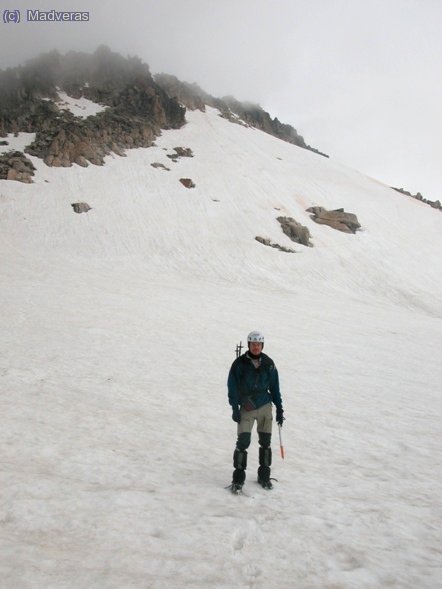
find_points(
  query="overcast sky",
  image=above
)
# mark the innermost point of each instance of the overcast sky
(360, 79)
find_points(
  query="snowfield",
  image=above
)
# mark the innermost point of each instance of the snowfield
(80, 107)
(16, 143)
(119, 327)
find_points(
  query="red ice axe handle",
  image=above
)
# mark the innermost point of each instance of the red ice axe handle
(281, 447)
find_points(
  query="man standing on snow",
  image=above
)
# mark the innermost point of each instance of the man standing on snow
(253, 386)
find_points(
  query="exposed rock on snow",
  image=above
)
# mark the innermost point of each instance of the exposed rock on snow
(161, 166)
(270, 243)
(337, 219)
(297, 232)
(233, 118)
(81, 207)
(75, 141)
(14, 165)
(187, 182)
(180, 152)
(436, 204)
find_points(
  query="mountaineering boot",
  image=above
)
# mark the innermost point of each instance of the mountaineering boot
(265, 484)
(236, 488)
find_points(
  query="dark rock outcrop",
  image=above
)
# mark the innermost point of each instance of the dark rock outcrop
(137, 108)
(81, 207)
(337, 219)
(180, 152)
(14, 165)
(193, 97)
(297, 232)
(187, 182)
(189, 95)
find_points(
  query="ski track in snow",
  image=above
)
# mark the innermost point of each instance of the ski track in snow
(119, 327)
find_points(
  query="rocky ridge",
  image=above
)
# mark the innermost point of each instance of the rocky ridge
(246, 113)
(137, 108)
(435, 204)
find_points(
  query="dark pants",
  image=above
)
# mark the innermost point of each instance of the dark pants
(264, 419)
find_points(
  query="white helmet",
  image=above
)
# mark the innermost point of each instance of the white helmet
(255, 336)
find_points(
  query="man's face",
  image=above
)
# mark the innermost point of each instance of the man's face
(255, 347)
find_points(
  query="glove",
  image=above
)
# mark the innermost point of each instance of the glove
(236, 414)
(279, 416)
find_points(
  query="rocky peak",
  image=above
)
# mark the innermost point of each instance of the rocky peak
(137, 105)
(137, 108)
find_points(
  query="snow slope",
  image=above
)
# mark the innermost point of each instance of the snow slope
(119, 327)
(80, 107)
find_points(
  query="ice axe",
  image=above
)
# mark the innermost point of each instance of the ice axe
(281, 447)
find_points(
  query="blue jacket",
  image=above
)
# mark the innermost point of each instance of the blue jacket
(251, 387)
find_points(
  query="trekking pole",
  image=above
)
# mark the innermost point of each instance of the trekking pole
(238, 349)
(281, 447)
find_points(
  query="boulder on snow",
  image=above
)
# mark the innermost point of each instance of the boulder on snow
(337, 219)
(297, 232)
(187, 182)
(81, 207)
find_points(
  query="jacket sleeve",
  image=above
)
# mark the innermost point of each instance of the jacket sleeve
(232, 386)
(274, 388)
